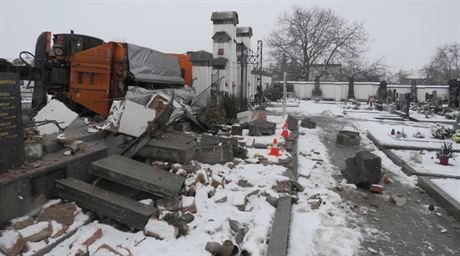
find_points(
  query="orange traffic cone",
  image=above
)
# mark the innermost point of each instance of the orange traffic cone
(285, 133)
(275, 150)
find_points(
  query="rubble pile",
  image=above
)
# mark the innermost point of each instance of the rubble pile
(53, 221)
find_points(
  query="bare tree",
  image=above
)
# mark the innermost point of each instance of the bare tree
(358, 69)
(398, 77)
(445, 64)
(314, 35)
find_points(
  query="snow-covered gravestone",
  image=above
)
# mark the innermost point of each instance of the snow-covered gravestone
(11, 131)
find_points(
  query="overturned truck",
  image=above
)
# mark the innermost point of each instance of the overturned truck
(88, 74)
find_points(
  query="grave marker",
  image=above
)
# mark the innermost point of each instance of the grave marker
(11, 127)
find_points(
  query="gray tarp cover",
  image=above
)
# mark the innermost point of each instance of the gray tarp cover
(152, 66)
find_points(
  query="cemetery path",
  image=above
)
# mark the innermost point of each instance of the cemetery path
(389, 229)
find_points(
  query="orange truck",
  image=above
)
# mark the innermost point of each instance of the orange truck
(88, 74)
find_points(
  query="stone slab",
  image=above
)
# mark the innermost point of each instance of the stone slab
(105, 203)
(382, 145)
(20, 188)
(138, 175)
(279, 236)
(409, 170)
(172, 147)
(443, 199)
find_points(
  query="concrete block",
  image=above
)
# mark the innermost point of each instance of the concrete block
(135, 118)
(171, 147)
(280, 229)
(261, 128)
(138, 175)
(105, 203)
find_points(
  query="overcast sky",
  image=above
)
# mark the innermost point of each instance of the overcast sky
(404, 32)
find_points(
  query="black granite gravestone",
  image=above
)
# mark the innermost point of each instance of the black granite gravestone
(11, 130)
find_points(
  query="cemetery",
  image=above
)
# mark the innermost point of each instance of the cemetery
(108, 147)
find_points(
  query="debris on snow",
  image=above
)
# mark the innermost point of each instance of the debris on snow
(160, 229)
(11, 242)
(37, 232)
(22, 222)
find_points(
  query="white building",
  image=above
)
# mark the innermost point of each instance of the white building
(223, 66)
(224, 50)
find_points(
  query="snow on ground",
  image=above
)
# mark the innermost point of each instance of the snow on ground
(319, 223)
(429, 163)
(313, 108)
(211, 221)
(450, 186)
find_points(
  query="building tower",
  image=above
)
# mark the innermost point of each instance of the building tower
(224, 60)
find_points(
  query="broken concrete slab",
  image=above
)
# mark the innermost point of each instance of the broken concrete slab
(261, 128)
(171, 147)
(135, 118)
(308, 123)
(76, 131)
(138, 175)
(364, 169)
(182, 148)
(54, 111)
(105, 203)
(348, 137)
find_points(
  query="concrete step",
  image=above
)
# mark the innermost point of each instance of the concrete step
(138, 175)
(105, 203)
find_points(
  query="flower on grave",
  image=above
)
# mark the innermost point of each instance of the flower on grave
(446, 151)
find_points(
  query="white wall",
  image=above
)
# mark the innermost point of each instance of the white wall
(202, 76)
(363, 90)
